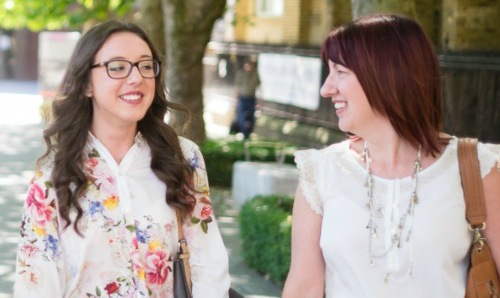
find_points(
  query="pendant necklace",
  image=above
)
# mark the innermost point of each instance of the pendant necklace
(404, 223)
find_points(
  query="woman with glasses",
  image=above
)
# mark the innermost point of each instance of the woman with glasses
(100, 214)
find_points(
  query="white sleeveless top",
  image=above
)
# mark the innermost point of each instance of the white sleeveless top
(333, 183)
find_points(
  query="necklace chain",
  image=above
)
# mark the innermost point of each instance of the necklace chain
(405, 222)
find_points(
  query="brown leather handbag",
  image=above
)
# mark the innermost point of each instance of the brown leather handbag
(482, 280)
(182, 273)
(183, 287)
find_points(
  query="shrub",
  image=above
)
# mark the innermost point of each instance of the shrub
(265, 229)
(221, 154)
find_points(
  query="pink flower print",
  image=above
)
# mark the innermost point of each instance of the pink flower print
(206, 212)
(137, 264)
(156, 267)
(202, 213)
(36, 206)
(29, 250)
(91, 163)
(168, 227)
(135, 243)
(135, 256)
(103, 178)
(203, 209)
(32, 279)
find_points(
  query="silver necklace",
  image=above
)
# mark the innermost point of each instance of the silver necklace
(404, 223)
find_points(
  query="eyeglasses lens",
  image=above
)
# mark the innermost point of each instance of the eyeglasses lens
(119, 69)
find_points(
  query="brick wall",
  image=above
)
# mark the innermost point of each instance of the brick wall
(470, 26)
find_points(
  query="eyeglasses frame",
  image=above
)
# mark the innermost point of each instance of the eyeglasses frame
(136, 64)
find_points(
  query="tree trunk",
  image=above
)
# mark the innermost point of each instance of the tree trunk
(151, 18)
(362, 7)
(341, 11)
(426, 12)
(188, 27)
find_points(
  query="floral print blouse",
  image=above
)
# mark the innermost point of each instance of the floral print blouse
(130, 233)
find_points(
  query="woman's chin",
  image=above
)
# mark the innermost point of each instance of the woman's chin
(344, 127)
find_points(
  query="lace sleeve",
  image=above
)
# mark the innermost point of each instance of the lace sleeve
(489, 157)
(306, 163)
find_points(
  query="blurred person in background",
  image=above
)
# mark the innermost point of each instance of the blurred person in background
(247, 82)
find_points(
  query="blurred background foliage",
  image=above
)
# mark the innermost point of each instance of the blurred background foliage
(56, 14)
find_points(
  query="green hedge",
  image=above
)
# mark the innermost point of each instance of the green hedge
(265, 229)
(221, 154)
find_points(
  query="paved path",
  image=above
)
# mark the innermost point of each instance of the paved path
(20, 144)
(244, 280)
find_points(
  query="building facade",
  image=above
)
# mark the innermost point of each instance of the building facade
(285, 38)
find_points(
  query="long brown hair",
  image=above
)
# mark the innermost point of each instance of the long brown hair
(72, 112)
(398, 70)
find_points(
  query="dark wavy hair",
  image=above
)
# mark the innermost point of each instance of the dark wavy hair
(72, 112)
(397, 67)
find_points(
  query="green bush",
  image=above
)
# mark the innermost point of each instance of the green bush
(221, 154)
(265, 229)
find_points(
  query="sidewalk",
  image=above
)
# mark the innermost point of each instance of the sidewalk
(219, 111)
(244, 280)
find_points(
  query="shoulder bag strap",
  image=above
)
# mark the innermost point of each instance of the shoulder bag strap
(183, 252)
(471, 182)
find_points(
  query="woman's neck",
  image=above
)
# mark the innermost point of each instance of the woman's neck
(118, 141)
(391, 158)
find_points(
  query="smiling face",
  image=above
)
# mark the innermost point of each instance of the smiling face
(120, 102)
(351, 104)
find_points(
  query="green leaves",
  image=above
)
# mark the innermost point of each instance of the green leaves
(265, 229)
(203, 223)
(59, 14)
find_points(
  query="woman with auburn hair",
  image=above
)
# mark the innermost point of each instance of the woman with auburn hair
(382, 214)
(100, 214)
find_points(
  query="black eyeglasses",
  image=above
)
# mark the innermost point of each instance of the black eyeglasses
(120, 69)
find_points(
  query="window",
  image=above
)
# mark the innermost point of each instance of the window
(269, 8)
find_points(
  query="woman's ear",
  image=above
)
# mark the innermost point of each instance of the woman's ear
(88, 90)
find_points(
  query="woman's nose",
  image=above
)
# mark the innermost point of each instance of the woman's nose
(135, 75)
(329, 87)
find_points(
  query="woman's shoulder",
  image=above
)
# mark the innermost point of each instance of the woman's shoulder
(45, 165)
(489, 157)
(192, 153)
(333, 150)
(187, 145)
(488, 154)
(315, 159)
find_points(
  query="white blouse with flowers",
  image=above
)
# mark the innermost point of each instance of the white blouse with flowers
(130, 233)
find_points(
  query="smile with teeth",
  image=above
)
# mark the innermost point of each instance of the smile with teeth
(340, 105)
(131, 97)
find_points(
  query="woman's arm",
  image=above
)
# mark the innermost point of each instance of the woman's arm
(208, 259)
(306, 277)
(39, 262)
(491, 184)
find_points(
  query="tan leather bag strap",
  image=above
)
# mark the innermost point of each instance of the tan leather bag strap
(471, 182)
(184, 252)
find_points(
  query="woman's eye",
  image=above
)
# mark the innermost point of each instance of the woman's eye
(117, 66)
(116, 69)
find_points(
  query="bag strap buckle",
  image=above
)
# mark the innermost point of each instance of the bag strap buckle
(478, 237)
